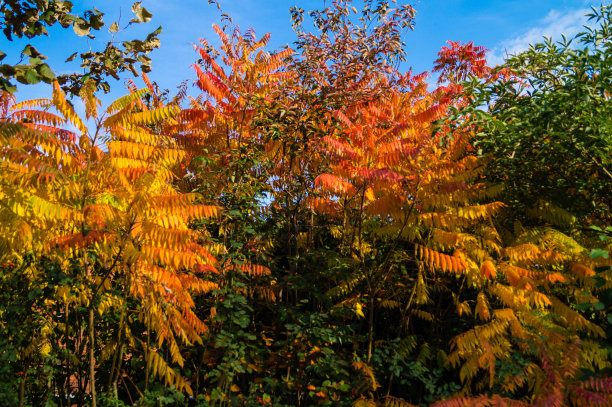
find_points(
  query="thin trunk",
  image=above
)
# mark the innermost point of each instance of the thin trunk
(22, 388)
(390, 384)
(80, 351)
(119, 366)
(147, 356)
(311, 240)
(127, 389)
(343, 231)
(116, 354)
(92, 360)
(68, 389)
(115, 392)
(370, 327)
(296, 241)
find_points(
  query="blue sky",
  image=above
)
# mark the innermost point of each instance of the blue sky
(500, 26)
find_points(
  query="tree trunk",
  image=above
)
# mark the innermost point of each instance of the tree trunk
(147, 355)
(370, 327)
(22, 388)
(116, 355)
(68, 389)
(92, 360)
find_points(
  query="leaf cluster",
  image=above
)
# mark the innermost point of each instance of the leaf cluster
(31, 19)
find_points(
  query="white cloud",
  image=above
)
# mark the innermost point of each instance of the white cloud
(553, 25)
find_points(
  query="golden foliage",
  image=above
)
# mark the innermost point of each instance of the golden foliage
(440, 261)
(119, 205)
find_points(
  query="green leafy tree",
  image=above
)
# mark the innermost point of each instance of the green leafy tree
(31, 18)
(547, 131)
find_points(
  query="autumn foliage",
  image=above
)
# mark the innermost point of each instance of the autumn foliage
(311, 227)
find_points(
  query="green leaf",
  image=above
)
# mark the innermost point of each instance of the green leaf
(597, 253)
(32, 52)
(583, 307)
(31, 76)
(153, 34)
(599, 281)
(46, 73)
(144, 59)
(7, 86)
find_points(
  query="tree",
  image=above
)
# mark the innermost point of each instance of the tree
(108, 231)
(314, 228)
(547, 131)
(541, 125)
(31, 18)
